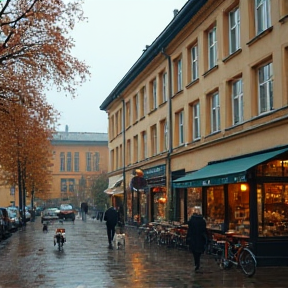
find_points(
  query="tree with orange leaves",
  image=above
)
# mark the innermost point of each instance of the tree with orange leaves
(35, 54)
(25, 146)
(35, 47)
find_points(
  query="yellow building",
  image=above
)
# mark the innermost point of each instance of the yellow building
(205, 117)
(78, 157)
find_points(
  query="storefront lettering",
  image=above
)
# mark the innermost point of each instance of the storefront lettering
(241, 178)
(155, 171)
(206, 182)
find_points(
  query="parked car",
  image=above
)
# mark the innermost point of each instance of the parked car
(38, 210)
(67, 212)
(14, 217)
(27, 214)
(49, 214)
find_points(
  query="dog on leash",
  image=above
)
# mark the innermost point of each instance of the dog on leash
(119, 240)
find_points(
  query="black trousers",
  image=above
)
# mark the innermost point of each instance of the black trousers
(110, 233)
(196, 256)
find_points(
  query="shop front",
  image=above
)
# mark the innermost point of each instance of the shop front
(246, 197)
(116, 191)
(154, 204)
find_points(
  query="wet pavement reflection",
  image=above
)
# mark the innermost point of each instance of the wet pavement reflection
(30, 259)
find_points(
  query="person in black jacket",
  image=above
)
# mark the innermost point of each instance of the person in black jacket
(197, 237)
(111, 218)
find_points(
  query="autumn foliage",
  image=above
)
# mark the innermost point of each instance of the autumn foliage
(35, 55)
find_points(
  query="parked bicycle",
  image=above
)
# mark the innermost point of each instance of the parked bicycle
(227, 254)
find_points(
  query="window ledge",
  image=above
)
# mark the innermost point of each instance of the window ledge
(135, 122)
(177, 93)
(179, 146)
(152, 111)
(143, 117)
(196, 140)
(192, 83)
(283, 19)
(259, 36)
(226, 59)
(210, 71)
(128, 127)
(162, 104)
(213, 133)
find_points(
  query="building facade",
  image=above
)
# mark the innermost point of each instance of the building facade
(78, 157)
(203, 112)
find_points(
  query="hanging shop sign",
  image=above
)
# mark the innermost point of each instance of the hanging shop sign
(137, 183)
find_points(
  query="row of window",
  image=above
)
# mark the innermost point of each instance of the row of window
(262, 74)
(193, 129)
(142, 104)
(69, 163)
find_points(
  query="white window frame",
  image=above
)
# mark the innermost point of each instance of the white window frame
(154, 93)
(196, 121)
(166, 135)
(145, 101)
(262, 15)
(215, 113)
(265, 88)
(181, 127)
(237, 102)
(136, 99)
(179, 75)
(164, 87)
(145, 148)
(234, 30)
(212, 48)
(194, 63)
(154, 140)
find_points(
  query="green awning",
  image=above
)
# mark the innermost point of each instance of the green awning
(224, 172)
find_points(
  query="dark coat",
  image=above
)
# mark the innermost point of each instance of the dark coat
(197, 234)
(111, 217)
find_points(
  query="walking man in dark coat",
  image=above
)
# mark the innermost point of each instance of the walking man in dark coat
(111, 218)
(197, 237)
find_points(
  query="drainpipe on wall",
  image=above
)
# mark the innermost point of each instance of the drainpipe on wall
(169, 172)
(124, 164)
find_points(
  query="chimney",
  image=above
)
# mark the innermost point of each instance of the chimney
(66, 128)
(175, 12)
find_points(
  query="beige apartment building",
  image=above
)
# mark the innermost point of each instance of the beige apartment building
(203, 113)
(78, 157)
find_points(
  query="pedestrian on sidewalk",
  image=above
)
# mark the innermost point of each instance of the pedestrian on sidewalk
(111, 219)
(197, 237)
(84, 210)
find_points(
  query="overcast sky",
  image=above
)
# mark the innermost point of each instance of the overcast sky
(110, 43)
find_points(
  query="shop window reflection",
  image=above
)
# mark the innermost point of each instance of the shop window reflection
(277, 168)
(272, 205)
(215, 208)
(239, 213)
(159, 203)
(194, 201)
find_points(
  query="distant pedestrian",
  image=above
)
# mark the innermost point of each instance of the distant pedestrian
(84, 210)
(197, 237)
(111, 219)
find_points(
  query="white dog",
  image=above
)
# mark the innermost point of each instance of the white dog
(119, 240)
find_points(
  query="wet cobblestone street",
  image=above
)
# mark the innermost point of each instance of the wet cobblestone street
(29, 259)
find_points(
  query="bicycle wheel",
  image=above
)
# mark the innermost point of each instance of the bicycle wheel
(247, 262)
